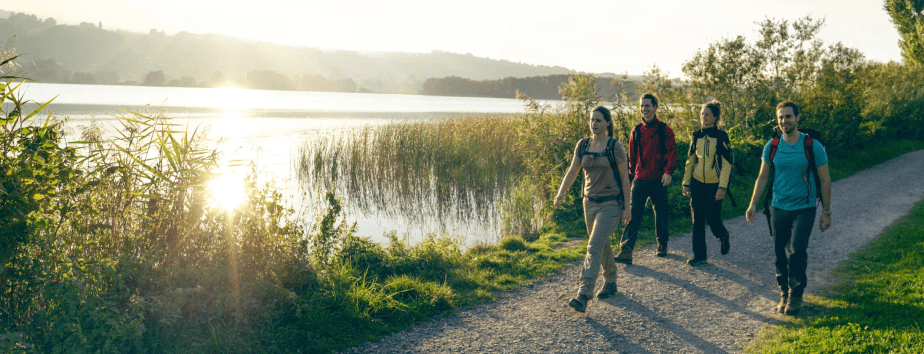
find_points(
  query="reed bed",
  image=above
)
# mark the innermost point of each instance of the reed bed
(421, 170)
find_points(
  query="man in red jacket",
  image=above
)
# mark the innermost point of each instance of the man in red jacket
(652, 159)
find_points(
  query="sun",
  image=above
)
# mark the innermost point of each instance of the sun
(227, 190)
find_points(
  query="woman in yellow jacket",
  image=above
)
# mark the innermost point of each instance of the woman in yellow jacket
(705, 180)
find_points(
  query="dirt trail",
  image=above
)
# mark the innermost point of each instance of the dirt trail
(665, 306)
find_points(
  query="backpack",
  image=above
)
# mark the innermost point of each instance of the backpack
(723, 150)
(610, 146)
(811, 135)
(637, 136)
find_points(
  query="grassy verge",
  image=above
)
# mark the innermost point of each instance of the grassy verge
(878, 308)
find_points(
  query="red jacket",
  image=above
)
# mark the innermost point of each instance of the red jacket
(653, 164)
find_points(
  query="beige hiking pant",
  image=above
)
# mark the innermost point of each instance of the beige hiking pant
(601, 221)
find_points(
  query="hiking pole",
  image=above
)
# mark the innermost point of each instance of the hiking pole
(769, 225)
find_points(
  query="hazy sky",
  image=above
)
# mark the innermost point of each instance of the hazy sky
(586, 35)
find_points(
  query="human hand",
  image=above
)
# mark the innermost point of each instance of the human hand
(824, 223)
(560, 198)
(750, 214)
(686, 191)
(626, 217)
(666, 179)
(719, 194)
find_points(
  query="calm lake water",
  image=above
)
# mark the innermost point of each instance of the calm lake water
(266, 127)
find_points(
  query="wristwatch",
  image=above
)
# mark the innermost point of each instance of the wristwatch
(826, 212)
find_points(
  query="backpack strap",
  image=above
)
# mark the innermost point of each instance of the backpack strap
(636, 142)
(660, 131)
(582, 146)
(610, 149)
(811, 168)
(693, 140)
(774, 145)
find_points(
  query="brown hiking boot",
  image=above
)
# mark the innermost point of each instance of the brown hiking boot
(624, 256)
(662, 250)
(794, 305)
(608, 290)
(784, 298)
(579, 303)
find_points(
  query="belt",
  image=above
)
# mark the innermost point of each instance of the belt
(601, 199)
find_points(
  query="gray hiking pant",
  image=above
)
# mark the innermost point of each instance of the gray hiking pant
(601, 221)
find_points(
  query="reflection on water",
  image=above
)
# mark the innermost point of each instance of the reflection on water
(264, 129)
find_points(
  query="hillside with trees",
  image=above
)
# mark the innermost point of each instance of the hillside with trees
(90, 53)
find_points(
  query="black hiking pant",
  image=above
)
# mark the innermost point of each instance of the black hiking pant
(705, 209)
(791, 231)
(641, 191)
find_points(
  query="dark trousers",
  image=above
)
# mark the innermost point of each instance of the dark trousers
(705, 209)
(791, 230)
(641, 191)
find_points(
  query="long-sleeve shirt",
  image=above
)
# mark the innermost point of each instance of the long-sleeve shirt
(652, 164)
(703, 164)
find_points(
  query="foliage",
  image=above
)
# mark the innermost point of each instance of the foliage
(908, 17)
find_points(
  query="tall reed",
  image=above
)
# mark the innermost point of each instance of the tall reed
(430, 169)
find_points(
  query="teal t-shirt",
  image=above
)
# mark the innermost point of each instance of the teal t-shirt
(792, 189)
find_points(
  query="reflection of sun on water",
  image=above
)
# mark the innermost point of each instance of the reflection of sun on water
(227, 190)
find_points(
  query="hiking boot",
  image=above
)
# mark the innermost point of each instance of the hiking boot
(784, 298)
(624, 256)
(725, 244)
(696, 261)
(608, 290)
(662, 250)
(579, 303)
(794, 305)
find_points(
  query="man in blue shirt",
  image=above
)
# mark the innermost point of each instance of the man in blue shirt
(794, 203)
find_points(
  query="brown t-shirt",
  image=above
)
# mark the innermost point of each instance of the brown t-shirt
(598, 176)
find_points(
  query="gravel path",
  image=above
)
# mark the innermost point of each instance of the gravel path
(663, 305)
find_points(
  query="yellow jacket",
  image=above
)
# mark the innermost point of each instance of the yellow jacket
(702, 164)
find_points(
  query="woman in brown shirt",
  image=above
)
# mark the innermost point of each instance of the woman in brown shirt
(604, 202)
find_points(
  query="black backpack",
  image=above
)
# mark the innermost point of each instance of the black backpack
(638, 151)
(723, 147)
(811, 136)
(610, 146)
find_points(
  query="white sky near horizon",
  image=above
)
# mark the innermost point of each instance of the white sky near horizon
(585, 35)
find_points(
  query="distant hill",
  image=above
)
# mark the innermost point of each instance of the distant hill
(89, 53)
(540, 87)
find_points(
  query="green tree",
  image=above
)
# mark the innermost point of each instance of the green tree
(155, 78)
(908, 17)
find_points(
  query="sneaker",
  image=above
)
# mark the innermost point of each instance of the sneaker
(784, 298)
(662, 250)
(725, 244)
(794, 305)
(624, 256)
(608, 290)
(579, 303)
(696, 261)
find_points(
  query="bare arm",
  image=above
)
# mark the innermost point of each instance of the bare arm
(825, 221)
(623, 168)
(759, 186)
(569, 177)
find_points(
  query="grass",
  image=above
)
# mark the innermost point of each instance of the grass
(877, 308)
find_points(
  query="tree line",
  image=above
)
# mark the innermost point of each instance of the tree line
(91, 53)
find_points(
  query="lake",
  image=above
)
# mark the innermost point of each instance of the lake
(265, 128)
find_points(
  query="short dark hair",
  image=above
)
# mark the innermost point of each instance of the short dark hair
(784, 104)
(650, 96)
(607, 117)
(715, 107)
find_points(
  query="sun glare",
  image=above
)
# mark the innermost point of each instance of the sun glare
(227, 191)
(229, 98)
